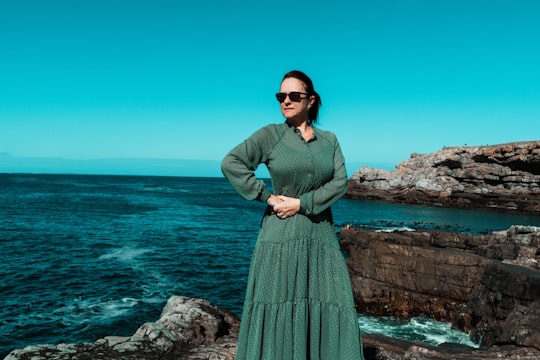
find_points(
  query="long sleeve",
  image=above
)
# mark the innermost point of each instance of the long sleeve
(239, 164)
(318, 200)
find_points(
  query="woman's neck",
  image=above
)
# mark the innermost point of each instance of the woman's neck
(303, 126)
(305, 129)
(299, 124)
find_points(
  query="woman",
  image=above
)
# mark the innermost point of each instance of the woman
(299, 301)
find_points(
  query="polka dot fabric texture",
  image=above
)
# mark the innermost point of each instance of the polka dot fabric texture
(299, 302)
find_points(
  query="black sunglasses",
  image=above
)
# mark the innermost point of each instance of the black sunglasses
(295, 96)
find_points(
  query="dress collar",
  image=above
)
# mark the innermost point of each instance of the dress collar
(299, 133)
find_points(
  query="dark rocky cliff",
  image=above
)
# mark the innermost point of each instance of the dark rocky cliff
(505, 176)
(487, 285)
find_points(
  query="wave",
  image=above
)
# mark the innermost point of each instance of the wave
(81, 311)
(125, 254)
(416, 329)
(394, 229)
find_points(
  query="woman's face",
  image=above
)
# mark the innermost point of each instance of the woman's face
(295, 111)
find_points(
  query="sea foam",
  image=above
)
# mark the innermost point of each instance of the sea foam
(416, 329)
(124, 254)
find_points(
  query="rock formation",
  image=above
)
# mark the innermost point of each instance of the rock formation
(503, 176)
(188, 329)
(487, 285)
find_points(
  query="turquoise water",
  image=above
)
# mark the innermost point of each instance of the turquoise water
(85, 257)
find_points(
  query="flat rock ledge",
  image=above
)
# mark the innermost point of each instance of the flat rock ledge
(505, 176)
(188, 329)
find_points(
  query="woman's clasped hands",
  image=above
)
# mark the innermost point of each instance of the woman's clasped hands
(284, 206)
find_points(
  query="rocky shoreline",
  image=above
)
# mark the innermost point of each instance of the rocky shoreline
(505, 176)
(486, 285)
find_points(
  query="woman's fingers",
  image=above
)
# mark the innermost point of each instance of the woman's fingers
(287, 207)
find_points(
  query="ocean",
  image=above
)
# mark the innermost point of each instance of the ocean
(85, 256)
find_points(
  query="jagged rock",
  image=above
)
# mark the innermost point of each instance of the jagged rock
(505, 176)
(471, 281)
(506, 306)
(188, 329)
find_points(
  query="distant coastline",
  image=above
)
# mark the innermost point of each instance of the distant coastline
(132, 166)
(158, 167)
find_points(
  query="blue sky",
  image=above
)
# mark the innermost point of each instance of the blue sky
(90, 80)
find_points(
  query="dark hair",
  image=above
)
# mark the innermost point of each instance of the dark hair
(314, 109)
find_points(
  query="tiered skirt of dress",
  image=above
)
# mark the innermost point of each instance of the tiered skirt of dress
(299, 301)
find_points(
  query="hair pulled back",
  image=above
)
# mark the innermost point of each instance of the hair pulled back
(313, 111)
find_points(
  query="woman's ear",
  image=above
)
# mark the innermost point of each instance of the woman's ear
(311, 101)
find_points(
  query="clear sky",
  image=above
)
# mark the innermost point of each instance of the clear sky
(109, 79)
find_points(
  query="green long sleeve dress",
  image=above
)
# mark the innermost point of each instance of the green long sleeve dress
(299, 302)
